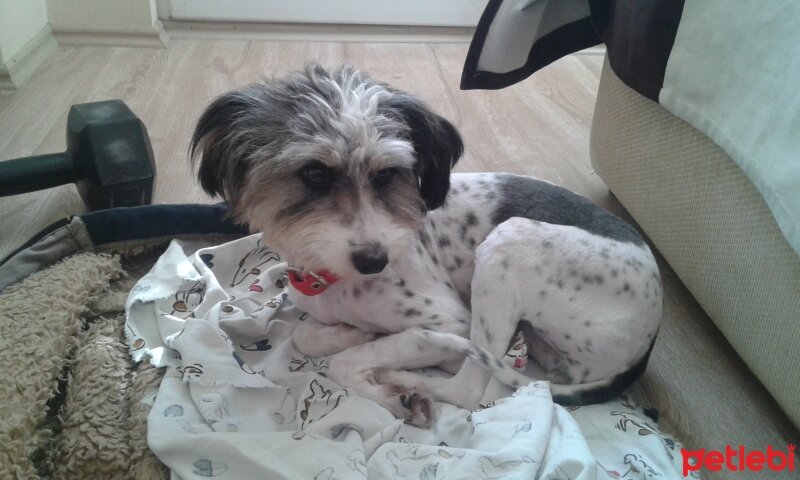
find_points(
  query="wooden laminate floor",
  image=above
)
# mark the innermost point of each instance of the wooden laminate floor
(539, 127)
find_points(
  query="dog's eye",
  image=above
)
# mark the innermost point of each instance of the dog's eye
(383, 177)
(317, 175)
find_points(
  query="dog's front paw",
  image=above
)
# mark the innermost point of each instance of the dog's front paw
(415, 408)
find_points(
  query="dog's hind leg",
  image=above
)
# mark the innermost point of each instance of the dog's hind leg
(592, 303)
(495, 317)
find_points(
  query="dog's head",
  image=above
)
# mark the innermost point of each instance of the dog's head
(336, 169)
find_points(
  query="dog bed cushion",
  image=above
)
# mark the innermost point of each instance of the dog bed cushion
(239, 401)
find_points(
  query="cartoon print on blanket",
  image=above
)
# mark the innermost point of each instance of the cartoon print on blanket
(186, 301)
(319, 403)
(239, 401)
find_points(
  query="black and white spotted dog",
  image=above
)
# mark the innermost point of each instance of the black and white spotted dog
(403, 265)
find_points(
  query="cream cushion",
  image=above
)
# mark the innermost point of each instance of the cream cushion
(711, 225)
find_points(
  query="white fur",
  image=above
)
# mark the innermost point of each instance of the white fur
(346, 174)
(373, 340)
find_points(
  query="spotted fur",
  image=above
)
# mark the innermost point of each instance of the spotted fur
(347, 174)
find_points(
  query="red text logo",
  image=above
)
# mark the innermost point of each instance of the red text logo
(739, 459)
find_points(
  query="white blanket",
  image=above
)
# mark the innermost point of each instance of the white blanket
(238, 401)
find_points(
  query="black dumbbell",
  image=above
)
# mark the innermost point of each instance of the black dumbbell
(108, 157)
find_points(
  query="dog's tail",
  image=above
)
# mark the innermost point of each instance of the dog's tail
(576, 394)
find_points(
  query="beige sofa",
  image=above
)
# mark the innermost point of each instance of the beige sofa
(717, 234)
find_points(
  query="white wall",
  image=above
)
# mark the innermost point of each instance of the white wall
(20, 21)
(102, 16)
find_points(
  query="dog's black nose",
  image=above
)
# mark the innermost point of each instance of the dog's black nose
(370, 259)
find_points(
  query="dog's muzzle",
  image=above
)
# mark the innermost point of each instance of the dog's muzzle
(370, 259)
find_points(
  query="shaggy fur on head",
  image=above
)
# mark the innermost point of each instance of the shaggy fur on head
(332, 166)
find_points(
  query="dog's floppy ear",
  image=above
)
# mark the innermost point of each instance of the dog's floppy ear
(437, 144)
(223, 161)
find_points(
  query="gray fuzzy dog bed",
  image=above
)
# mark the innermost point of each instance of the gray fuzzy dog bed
(74, 405)
(68, 383)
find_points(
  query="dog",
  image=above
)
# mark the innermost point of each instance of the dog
(403, 265)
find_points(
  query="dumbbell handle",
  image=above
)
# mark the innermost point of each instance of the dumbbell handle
(36, 173)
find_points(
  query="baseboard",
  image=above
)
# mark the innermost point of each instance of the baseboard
(296, 32)
(155, 39)
(23, 64)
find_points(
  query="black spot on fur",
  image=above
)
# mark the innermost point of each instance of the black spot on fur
(408, 293)
(412, 312)
(424, 238)
(471, 219)
(444, 241)
(537, 200)
(462, 233)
